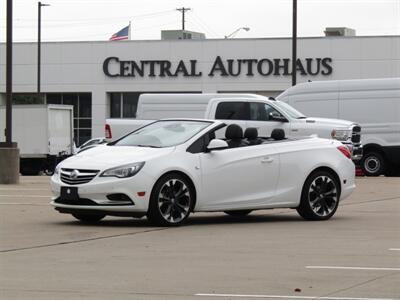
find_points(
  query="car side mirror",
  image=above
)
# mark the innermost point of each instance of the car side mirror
(217, 144)
(274, 116)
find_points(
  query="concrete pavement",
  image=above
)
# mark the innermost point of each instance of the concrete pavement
(271, 254)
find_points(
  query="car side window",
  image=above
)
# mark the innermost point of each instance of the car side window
(262, 111)
(200, 145)
(235, 110)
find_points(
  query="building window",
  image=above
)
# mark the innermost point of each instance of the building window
(22, 98)
(82, 103)
(115, 105)
(123, 105)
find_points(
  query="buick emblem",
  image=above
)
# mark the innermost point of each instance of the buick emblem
(74, 174)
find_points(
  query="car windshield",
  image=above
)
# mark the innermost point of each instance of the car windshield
(292, 112)
(163, 134)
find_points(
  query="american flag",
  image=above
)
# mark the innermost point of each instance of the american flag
(123, 34)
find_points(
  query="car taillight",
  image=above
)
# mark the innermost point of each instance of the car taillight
(345, 151)
(107, 129)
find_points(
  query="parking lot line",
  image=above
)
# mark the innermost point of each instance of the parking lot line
(353, 268)
(26, 196)
(37, 204)
(19, 189)
(289, 297)
(394, 249)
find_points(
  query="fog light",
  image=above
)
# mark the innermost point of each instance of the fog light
(119, 197)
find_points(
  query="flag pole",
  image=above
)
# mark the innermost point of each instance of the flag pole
(129, 31)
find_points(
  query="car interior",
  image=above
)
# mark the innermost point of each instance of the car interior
(235, 138)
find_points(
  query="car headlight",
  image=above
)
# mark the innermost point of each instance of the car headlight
(341, 134)
(123, 171)
(57, 170)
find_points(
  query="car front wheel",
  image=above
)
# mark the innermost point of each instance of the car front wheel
(171, 200)
(320, 196)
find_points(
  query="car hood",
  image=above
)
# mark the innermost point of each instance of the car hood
(335, 123)
(103, 157)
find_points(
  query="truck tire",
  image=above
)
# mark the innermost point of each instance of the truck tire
(373, 164)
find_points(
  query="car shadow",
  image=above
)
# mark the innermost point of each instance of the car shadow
(197, 219)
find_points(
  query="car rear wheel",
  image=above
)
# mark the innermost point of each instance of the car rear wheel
(237, 213)
(171, 200)
(320, 196)
(373, 164)
(88, 218)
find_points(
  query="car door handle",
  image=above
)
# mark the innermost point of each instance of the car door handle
(267, 160)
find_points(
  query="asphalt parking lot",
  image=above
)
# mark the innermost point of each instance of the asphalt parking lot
(270, 254)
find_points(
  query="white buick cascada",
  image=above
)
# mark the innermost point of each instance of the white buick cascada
(170, 168)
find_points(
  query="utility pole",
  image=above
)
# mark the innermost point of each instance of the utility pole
(183, 10)
(38, 45)
(294, 43)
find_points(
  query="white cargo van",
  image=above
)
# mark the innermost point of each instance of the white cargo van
(373, 103)
(44, 134)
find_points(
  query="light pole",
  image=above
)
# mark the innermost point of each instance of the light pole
(294, 43)
(9, 75)
(9, 153)
(236, 31)
(40, 4)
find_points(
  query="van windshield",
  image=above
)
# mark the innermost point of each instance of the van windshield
(292, 112)
(163, 134)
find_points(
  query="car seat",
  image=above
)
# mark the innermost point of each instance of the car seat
(278, 134)
(251, 134)
(234, 136)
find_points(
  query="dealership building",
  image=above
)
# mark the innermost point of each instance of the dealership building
(104, 79)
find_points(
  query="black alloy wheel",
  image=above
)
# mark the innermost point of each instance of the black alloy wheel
(320, 196)
(171, 200)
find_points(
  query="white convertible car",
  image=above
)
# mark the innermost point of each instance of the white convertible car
(170, 168)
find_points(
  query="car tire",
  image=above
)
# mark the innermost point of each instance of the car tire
(238, 213)
(319, 197)
(88, 218)
(171, 200)
(373, 164)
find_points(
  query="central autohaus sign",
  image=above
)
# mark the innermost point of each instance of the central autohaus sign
(114, 67)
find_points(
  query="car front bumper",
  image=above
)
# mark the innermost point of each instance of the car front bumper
(109, 195)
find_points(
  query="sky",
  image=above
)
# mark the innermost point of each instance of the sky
(97, 20)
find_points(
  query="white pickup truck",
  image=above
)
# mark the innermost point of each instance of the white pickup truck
(246, 110)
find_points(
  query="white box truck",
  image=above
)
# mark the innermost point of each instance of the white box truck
(44, 134)
(373, 103)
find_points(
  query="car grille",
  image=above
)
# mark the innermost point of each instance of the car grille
(356, 134)
(77, 176)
